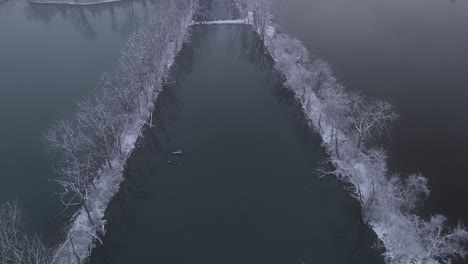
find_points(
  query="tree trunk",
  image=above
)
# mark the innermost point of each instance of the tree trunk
(336, 144)
(320, 123)
(74, 252)
(308, 103)
(359, 142)
(151, 119)
(304, 93)
(109, 163)
(119, 139)
(360, 194)
(318, 83)
(139, 104)
(87, 211)
(332, 135)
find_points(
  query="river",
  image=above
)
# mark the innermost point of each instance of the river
(414, 55)
(245, 189)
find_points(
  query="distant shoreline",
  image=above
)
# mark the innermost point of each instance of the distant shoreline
(71, 2)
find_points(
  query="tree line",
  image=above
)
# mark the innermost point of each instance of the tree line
(93, 140)
(349, 124)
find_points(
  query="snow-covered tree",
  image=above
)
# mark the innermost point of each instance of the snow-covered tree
(76, 167)
(370, 118)
(261, 15)
(409, 192)
(15, 246)
(89, 145)
(123, 98)
(322, 75)
(100, 127)
(442, 243)
(346, 120)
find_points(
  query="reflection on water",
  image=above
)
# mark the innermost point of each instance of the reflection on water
(217, 10)
(51, 57)
(244, 190)
(122, 17)
(414, 55)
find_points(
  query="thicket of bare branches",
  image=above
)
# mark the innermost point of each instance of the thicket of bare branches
(92, 137)
(346, 120)
(15, 246)
(92, 141)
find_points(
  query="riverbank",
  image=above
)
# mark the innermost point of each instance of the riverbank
(88, 223)
(242, 189)
(72, 2)
(389, 202)
(223, 22)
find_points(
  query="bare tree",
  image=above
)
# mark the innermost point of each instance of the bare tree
(409, 192)
(76, 167)
(15, 246)
(100, 127)
(443, 243)
(122, 95)
(89, 145)
(335, 107)
(370, 118)
(322, 75)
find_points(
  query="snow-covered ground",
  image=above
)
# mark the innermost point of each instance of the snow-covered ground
(406, 237)
(83, 234)
(399, 231)
(73, 2)
(222, 22)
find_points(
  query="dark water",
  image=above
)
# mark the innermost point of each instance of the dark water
(217, 10)
(413, 54)
(50, 58)
(245, 190)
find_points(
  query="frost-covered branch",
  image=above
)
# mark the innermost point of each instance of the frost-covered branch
(94, 144)
(15, 246)
(345, 120)
(370, 118)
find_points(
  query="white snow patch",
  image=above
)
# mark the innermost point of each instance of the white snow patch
(82, 233)
(73, 2)
(222, 22)
(397, 231)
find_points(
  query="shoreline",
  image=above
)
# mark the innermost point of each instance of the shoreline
(83, 234)
(388, 202)
(71, 3)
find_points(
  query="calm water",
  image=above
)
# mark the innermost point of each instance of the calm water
(50, 58)
(413, 54)
(245, 190)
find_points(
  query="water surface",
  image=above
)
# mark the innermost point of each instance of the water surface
(413, 54)
(51, 57)
(245, 189)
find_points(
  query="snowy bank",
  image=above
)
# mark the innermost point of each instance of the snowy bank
(88, 224)
(72, 2)
(389, 202)
(222, 22)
